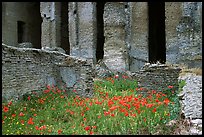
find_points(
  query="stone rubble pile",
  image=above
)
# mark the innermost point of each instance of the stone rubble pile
(191, 102)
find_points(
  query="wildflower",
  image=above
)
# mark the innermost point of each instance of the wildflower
(166, 101)
(21, 114)
(93, 127)
(22, 122)
(10, 103)
(59, 131)
(170, 87)
(13, 115)
(74, 90)
(126, 114)
(114, 107)
(34, 114)
(149, 105)
(61, 96)
(29, 98)
(46, 91)
(144, 119)
(116, 76)
(30, 121)
(112, 115)
(84, 119)
(91, 133)
(154, 110)
(99, 116)
(87, 108)
(36, 127)
(87, 128)
(6, 109)
(106, 113)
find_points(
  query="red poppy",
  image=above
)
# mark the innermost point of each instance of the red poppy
(112, 115)
(10, 103)
(166, 101)
(113, 108)
(13, 115)
(87, 128)
(34, 114)
(134, 115)
(84, 119)
(93, 127)
(149, 105)
(29, 98)
(59, 131)
(36, 127)
(87, 108)
(99, 116)
(126, 114)
(30, 121)
(5, 109)
(116, 76)
(144, 119)
(91, 133)
(21, 114)
(154, 110)
(170, 87)
(22, 121)
(106, 113)
(74, 90)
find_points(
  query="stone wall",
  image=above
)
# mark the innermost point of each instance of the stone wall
(157, 76)
(184, 33)
(27, 69)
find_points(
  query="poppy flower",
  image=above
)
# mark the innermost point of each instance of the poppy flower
(21, 114)
(6, 109)
(114, 107)
(170, 87)
(154, 110)
(87, 128)
(10, 103)
(166, 101)
(59, 131)
(29, 98)
(13, 115)
(30, 121)
(91, 133)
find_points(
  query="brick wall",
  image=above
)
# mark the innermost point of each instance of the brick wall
(28, 69)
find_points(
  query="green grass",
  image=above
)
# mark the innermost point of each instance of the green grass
(116, 108)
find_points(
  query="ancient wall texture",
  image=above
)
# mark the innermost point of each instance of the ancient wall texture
(27, 69)
(157, 77)
(184, 33)
(26, 12)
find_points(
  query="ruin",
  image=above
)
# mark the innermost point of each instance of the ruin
(125, 35)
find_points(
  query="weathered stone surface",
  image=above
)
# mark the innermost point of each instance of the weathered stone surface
(28, 69)
(191, 100)
(183, 33)
(115, 49)
(27, 13)
(82, 25)
(138, 41)
(157, 76)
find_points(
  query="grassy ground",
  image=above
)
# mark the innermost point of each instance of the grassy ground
(116, 108)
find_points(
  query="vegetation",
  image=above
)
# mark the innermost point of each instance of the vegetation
(118, 107)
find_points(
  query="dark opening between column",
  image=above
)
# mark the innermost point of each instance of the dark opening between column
(100, 30)
(157, 38)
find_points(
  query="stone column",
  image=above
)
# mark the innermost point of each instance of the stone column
(82, 26)
(138, 35)
(115, 50)
(50, 12)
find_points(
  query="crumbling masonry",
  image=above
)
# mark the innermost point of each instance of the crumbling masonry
(125, 35)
